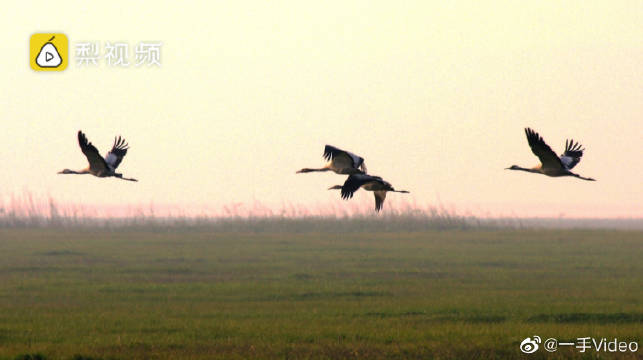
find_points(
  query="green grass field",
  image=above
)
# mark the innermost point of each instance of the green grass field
(194, 293)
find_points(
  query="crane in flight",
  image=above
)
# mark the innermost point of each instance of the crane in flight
(340, 161)
(376, 184)
(550, 163)
(99, 166)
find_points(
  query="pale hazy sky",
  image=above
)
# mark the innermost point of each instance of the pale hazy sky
(434, 95)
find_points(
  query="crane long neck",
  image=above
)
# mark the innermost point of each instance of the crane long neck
(525, 169)
(79, 172)
(305, 170)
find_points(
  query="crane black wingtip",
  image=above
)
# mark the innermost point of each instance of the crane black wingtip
(82, 139)
(346, 195)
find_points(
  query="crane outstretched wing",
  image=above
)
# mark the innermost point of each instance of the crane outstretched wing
(380, 196)
(547, 156)
(354, 182)
(572, 155)
(115, 156)
(96, 162)
(344, 158)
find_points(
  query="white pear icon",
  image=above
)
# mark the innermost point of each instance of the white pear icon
(48, 56)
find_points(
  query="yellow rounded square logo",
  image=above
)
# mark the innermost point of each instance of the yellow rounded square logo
(48, 52)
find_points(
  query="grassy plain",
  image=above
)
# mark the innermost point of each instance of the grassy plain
(201, 293)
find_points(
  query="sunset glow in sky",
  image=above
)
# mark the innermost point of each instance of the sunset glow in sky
(434, 95)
